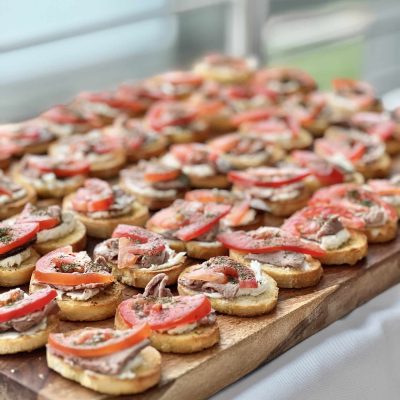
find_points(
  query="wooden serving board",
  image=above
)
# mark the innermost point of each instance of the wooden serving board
(246, 343)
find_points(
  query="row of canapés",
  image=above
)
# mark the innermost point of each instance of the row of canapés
(240, 276)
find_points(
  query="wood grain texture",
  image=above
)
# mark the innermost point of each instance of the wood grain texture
(246, 343)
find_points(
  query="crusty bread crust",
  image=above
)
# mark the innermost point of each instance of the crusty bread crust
(19, 276)
(76, 239)
(103, 228)
(8, 210)
(147, 375)
(99, 307)
(352, 251)
(180, 137)
(317, 127)
(393, 146)
(199, 339)
(37, 148)
(154, 149)
(140, 277)
(209, 182)
(29, 342)
(109, 169)
(377, 169)
(287, 277)
(243, 306)
(382, 234)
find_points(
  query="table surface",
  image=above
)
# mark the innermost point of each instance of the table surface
(357, 357)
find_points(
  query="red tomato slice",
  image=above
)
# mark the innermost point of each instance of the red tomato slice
(97, 342)
(47, 272)
(5, 192)
(28, 305)
(142, 241)
(12, 237)
(62, 169)
(376, 124)
(253, 115)
(161, 173)
(210, 196)
(164, 313)
(41, 217)
(238, 212)
(199, 225)
(267, 177)
(270, 242)
(96, 195)
(164, 114)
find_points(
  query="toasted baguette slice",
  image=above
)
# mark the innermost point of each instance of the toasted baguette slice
(8, 210)
(209, 182)
(199, 339)
(103, 228)
(109, 169)
(382, 234)
(29, 342)
(243, 306)
(16, 276)
(140, 277)
(352, 251)
(377, 169)
(393, 146)
(187, 136)
(154, 149)
(303, 140)
(146, 375)
(99, 307)
(290, 278)
(76, 239)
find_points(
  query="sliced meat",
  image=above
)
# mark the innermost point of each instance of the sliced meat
(167, 185)
(330, 227)
(375, 216)
(283, 259)
(108, 250)
(157, 259)
(26, 322)
(227, 290)
(209, 319)
(210, 236)
(157, 287)
(112, 364)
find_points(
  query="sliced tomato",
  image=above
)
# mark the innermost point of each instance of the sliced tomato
(191, 153)
(238, 212)
(5, 191)
(271, 240)
(16, 235)
(207, 275)
(48, 270)
(377, 124)
(41, 217)
(61, 168)
(97, 342)
(165, 312)
(199, 225)
(267, 177)
(353, 151)
(27, 305)
(164, 114)
(225, 143)
(96, 195)
(360, 92)
(161, 173)
(142, 241)
(253, 115)
(209, 196)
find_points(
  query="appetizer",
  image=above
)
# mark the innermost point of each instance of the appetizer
(178, 121)
(56, 228)
(30, 137)
(179, 324)
(274, 126)
(233, 288)
(279, 191)
(350, 96)
(225, 69)
(101, 207)
(236, 151)
(281, 82)
(51, 177)
(243, 215)
(379, 216)
(334, 228)
(198, 163)
(26, 321)
(13, 196)
(387, 189)
(65, 120)
(154, 183)
(86, 290)
(366, 153)
(380, 125)
(8, 149)
(105, 360)
(290, 261)
(104, 152)
(138, 141)
(136, 255)
(17, 256)
(191, 226)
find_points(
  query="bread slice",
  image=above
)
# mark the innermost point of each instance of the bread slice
(376, 169)
(103, 228)
(140, 277)
(382, 234)
(352, 251)
(393, 147)
(223, 75)
(29, 342)
(110, 168)
(303, 140)
(209, 182)
(289, 278)
(99, 307)
(76, 239)
(243, 306)
(201, 338)
(153, 149)
(146, 375)
(186, 136)
(15, 207)
(16, 276)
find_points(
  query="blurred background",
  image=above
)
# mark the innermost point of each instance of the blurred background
(50, 50)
